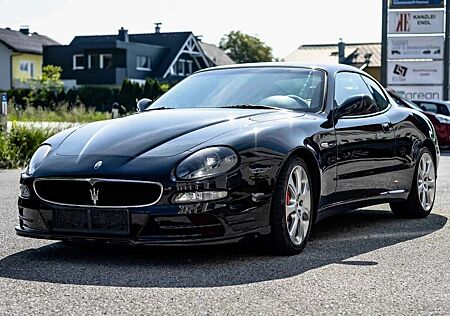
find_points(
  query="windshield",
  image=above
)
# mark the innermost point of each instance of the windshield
(287, 88)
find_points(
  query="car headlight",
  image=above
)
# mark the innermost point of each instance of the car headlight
(443, 119)
(38, 158)
(206, 163)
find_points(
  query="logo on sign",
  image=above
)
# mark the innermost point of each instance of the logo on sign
(400, 70)
(403, 24)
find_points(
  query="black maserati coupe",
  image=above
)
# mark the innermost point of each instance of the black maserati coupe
(257, 151)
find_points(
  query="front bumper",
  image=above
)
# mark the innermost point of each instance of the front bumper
(242, 215)
(254, 233)
(245, 212)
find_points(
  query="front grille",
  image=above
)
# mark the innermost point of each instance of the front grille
(98, 192)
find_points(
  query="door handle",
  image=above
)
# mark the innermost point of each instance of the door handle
(387, 127)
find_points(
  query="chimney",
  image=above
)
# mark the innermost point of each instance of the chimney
(158, 27)
(341, 49)
(199, 37)
(24, 29)
(123, 35)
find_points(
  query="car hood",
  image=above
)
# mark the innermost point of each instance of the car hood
(159, 132)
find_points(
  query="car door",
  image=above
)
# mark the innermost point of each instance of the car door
(365, 140)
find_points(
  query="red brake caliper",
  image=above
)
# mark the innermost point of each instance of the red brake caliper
(288, 197)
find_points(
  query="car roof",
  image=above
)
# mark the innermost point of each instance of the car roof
(330, 68)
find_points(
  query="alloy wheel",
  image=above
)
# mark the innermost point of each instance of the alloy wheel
(298, 205)
(426, 181)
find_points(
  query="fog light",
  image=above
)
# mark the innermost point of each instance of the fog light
(24, 192)
(199, 196)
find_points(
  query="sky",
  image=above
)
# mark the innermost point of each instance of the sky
(282, 24)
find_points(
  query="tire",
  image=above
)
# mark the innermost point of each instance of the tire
(286, 209)
(423, 187)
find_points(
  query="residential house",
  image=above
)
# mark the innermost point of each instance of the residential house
(365, 56)
(109, 59)
(20, 56)
(215, 55)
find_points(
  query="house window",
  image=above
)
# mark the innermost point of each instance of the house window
(180, 67)
(100, 61)
(189, 67)
(27, 67)
(78, 61)
(106, 61)
(143, 63)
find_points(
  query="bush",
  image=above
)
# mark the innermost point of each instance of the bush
(92, 97)
(17, 146)
(62, 113)
(99, 98)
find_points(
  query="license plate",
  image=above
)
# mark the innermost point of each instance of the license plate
(92, 221)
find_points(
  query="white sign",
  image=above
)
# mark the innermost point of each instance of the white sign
(415, 72)
(431, 47)
(419, 92)
(416, 22)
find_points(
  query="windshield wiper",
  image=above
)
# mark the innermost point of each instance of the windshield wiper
(251, 106)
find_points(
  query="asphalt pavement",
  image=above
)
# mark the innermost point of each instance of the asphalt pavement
(364, 262)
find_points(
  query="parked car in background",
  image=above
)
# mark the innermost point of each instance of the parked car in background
(440, 122)
(435, 106)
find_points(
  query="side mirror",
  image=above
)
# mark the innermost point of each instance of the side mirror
(360, 104)
(143, 104)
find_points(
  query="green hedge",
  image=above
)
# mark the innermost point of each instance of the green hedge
(98, 98)
(18, 145)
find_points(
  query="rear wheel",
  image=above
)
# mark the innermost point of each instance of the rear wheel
(292, 208)
(421, 198)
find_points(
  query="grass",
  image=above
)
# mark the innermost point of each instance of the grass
(19, 144)
(62, 113)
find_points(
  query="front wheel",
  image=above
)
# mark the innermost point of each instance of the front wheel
(292, 208)
(421, 198)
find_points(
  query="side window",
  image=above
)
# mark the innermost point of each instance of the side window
(348, 84)
(429, 107)
(348, 87)
(377, 93)
(443, 110)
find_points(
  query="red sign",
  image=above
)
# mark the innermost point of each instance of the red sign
(403, 22)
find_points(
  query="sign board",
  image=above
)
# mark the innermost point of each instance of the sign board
(4, 107)
(415, 72)
(416, 22)
(407, 4)
(420, 92)
(421, 47)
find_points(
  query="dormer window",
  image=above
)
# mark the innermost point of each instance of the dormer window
(78, 62)
(100, 61)
(189, 67)
(180, 67)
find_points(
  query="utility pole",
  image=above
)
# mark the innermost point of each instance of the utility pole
(384, 41)
(446, 50)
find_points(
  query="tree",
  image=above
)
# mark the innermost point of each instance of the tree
(44, 91)
(244, 48)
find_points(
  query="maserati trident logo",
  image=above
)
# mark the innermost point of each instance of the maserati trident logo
(94, 195)
(98, 164)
